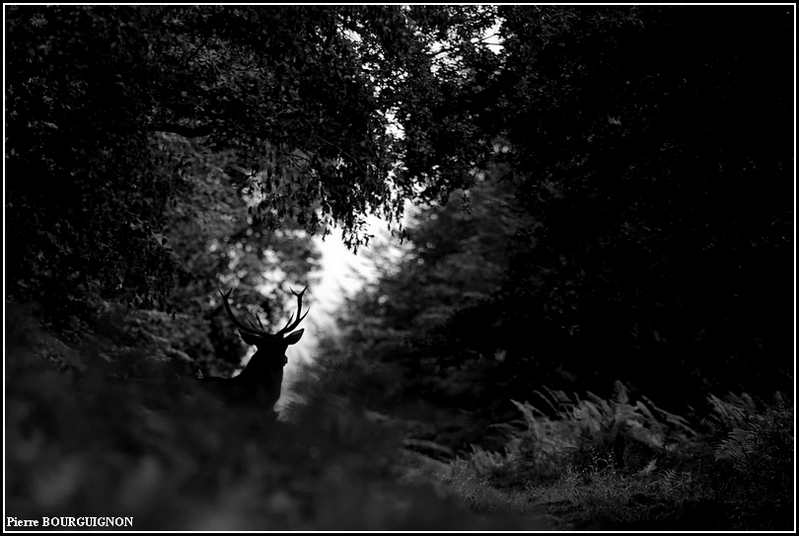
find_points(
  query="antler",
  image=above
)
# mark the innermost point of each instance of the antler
(249, 329)
(289, 325)
(255, 331)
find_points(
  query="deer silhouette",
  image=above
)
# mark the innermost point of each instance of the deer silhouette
(261, 380)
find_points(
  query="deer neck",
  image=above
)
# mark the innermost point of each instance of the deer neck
(263, 372)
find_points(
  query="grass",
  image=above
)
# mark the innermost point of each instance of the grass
(82, 442)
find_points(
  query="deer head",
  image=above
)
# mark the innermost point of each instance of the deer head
(262, 378)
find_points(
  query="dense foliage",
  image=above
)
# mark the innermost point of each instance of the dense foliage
(647, 156)
(654, 148)
(329, 112)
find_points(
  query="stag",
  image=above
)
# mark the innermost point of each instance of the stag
(261, 379)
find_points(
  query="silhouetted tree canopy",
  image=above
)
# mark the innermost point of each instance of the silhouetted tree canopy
(656, 154)
(330, 113)
(650, 151)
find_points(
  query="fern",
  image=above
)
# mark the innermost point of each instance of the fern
(625, 434)
(755, 459)
(536, 445)
(634, 434)
(756, 438)
(731, 414)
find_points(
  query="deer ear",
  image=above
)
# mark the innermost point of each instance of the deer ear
(294, 337)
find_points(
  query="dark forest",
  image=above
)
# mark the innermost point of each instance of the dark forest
(582, 313)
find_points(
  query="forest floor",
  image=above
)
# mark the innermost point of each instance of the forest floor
(82, 441)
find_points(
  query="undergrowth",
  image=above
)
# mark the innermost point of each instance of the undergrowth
(88, 440)
(82, 440)
(618, 465)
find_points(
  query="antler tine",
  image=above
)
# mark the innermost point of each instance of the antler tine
(299, 295)
(291, 325)
(285, 328)
(233, 318)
